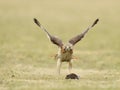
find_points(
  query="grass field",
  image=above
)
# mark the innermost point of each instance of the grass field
(25, 51)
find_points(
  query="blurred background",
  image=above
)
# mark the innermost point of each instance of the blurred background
(64, 18)
(23, 44)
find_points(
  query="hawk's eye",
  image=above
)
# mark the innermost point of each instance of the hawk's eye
(64, 49)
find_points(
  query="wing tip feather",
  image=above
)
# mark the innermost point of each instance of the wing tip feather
(36, 21)
(95, 22)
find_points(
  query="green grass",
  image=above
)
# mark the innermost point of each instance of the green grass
(25, 51)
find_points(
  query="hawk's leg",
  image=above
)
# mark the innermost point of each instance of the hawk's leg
(70, 66)
(58, 65)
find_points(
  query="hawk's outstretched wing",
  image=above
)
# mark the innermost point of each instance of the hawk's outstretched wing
(77, 38)
(53, 39)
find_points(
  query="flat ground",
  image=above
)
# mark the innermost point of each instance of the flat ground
(25, 52)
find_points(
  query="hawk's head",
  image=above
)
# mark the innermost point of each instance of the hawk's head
(67, 48)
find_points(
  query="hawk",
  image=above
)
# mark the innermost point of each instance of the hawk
(65, 51)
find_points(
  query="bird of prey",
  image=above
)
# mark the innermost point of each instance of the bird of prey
(65, 51)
